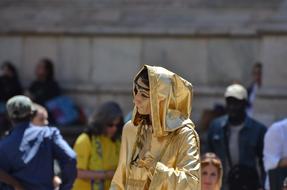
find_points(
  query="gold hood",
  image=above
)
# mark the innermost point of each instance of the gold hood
(171, 100)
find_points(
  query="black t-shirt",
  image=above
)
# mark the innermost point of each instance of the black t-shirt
(43, 91)
(9, 87)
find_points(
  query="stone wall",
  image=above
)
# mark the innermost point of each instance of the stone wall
(97, 69)
(98, 46)
(157, 17)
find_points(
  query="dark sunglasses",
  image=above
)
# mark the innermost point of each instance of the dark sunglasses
(139, 87)
(113, 125)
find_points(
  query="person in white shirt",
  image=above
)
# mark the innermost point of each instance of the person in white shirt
(254, 87)
(275, 149)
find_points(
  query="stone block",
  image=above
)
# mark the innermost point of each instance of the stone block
(186, 57)
(11, 50)
(75, 58)
(274, 56)
(36, 48)
(231, 60)
(115, 60)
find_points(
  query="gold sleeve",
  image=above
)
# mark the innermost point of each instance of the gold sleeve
(120, 174)
(186, 174)
(119, 179)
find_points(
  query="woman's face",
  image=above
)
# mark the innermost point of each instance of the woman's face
(41, 118)
(112, 127)
(142, 98)
(41, 72)
(210, 177)
(6, 71)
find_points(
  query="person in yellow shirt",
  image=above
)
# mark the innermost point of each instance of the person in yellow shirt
(98, 147)
(160, 147)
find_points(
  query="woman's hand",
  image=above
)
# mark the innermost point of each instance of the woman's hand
(57, 182)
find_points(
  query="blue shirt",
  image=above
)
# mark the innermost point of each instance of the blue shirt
(28, 154)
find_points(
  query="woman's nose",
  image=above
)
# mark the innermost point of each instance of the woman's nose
(209, 178)
(137, 98)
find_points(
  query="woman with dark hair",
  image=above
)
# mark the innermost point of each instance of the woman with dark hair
(44, 88)
(98, 148)
(9, 86)
(9, 82)
(160, 147)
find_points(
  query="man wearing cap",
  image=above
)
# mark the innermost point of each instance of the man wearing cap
(28, 152)
(236, 138)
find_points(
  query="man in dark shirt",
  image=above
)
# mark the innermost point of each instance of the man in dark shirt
(238, 141)
(27, 154)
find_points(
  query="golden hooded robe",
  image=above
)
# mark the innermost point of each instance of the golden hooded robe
(171, 160)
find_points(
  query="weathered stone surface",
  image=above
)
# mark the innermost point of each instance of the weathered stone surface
(274, 56)
(11, 50)
(187, 57)
(231, 60)
(98, 46)
(165, 17)
(75, 59)
(36, 48)
(97, 69)
(115, 60)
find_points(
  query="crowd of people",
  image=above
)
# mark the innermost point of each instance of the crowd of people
(158, 148)
(43, 90)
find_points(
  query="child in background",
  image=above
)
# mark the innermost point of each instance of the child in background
(40, 116)
(41, 119)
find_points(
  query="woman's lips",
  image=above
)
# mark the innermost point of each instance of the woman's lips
(207, 184)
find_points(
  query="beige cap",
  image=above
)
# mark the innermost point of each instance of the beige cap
(236, 91)
(19, 107)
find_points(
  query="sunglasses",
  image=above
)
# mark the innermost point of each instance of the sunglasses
(143, 90)
(110, 125)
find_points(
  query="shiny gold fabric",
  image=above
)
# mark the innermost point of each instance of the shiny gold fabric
(169, 157)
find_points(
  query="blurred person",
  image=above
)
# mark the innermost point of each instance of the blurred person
(44, 87)
(160, 147)
(45, 91)
(98, 148)
(285, 184)
(207, 116)
(254, 86)
(9, 87)
(40, 119)
(238, 141)
(275, 151)
(24, 151)
(9, 82)
(211, 172)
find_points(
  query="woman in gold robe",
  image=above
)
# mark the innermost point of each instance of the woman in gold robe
(160, 147)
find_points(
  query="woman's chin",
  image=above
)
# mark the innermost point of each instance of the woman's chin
(207, 187)
(143, 111)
